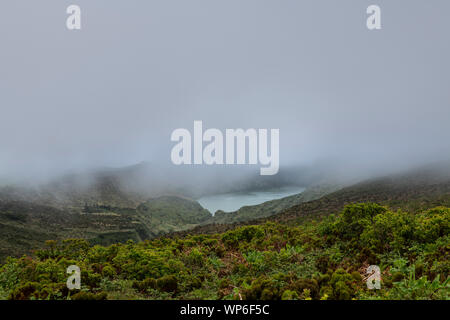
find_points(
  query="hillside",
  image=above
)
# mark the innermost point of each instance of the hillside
(139, 202)
(104, 212)
(413, 191)
(127, 187)
(167, 214)
(25, 226)
(271, 261)
(270, 208)
(302, 251)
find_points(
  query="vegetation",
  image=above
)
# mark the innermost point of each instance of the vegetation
(166, 214)
(25, 226)
(270, 208)
(108, 211)
(324, 258)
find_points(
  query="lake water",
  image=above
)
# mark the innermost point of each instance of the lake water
(229, 202)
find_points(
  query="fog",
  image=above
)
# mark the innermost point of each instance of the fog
(110, 94)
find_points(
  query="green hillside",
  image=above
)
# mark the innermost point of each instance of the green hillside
(108, 206)
(109, 215)
(413, 191)
(25, 226)
(167, 214)
(325, 259)
(270, 208)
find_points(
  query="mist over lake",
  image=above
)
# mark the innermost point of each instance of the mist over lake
(229, 202)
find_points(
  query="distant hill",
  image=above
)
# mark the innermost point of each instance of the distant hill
(270, 208)
(25, 226)
(413, 191)
(169, 213)
(129, 186)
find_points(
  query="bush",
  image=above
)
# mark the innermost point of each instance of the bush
(195, 258)
(354, 219)
(167, 283)
(307, 284)
(262, 289)
(144, 285)
(397, 276)
(25, 291)
(322, 264)
(433, 224)
(247, 234)
(289, 295)
(108, 271)
(342, 286)
(91, 279)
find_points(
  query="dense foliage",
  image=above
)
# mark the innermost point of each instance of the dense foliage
(324, 259)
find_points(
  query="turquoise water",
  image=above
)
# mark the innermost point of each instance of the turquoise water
(233, 201)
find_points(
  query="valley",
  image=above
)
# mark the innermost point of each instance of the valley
(106, 211)
(287, 248)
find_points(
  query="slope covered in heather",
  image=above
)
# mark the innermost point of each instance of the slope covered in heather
(309, 260)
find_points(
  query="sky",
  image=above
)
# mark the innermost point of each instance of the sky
(111, 93)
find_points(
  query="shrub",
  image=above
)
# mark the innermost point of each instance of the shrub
(307, 284)
(167, 283)
(322, 264)
(25, 291)
(144, 285)
(355, 218)
(108, 271)
(433, 224)
(90, 279)
(389, 231)
(195, 258)
(343, 286)
(262, 289)
(246, 234)
(289, 295)
(397, 276)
